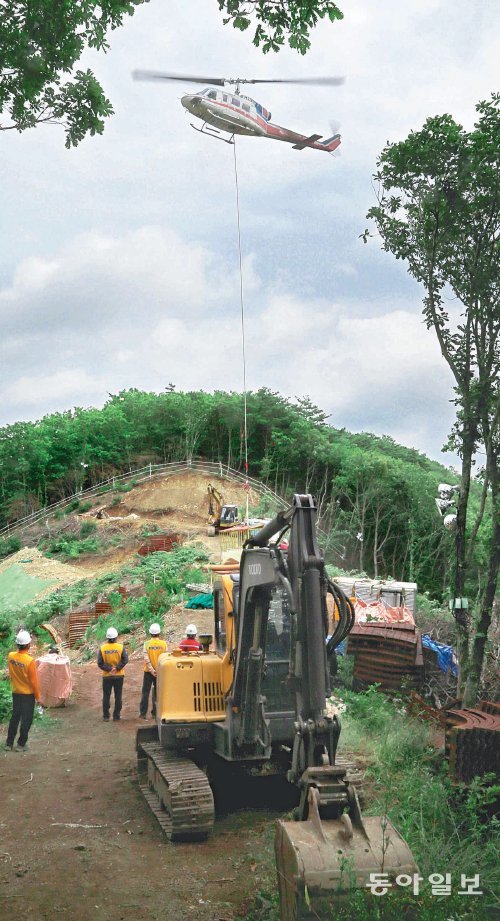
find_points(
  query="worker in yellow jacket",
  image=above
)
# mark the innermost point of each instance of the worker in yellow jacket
(153, 649)
(112, 659)
(25, 691)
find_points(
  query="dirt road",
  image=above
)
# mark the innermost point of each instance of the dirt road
(81, 772)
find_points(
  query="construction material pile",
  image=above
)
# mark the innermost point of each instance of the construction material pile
(158, 542)
(386, 653)
(473, 741)
(385, 643)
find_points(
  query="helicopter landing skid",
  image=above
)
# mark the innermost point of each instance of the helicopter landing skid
(213, 133)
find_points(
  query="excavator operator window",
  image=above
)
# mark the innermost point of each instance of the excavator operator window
(278, 627)
(220, 621)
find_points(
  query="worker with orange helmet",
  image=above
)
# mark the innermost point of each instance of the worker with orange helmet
(112, 659)
(25, 691)
(153, 648)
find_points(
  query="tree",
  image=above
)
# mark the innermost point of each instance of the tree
(438, 208)
(40, 44)
(277, 19)
(42, 41)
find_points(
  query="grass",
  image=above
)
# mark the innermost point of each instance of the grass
(18, 588)
(9, 545)
(449, 829)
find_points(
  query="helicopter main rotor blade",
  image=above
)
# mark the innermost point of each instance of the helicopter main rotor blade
(312, 81)
(184, 78)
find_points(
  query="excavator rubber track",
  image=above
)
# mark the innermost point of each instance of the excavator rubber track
(177, 792)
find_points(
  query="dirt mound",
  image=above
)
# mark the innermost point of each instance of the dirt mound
(184, 496)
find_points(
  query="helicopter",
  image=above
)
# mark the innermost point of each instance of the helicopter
(230, 111)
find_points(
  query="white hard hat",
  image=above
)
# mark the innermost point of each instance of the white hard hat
(155, 629)
(111, 633)
(23, 638)
(191, 630)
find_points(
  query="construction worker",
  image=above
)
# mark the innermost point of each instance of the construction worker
(190, 643)
(25, 691)
(153, 649)
(112, 659)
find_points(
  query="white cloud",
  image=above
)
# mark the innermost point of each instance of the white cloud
(172, 321)
(121, 264)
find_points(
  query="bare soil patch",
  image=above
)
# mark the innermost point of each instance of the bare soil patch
(81, 772)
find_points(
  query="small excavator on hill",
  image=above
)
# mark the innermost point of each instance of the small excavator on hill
(220, 516)
(259, 701)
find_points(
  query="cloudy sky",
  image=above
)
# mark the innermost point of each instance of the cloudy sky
(119, 263)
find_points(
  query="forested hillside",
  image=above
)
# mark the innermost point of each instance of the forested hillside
(376, 498)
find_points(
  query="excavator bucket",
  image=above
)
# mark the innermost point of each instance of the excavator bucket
(319, 860)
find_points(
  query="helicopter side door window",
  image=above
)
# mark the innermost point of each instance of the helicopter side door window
(245, 107)
(225, 98)
(236, 102)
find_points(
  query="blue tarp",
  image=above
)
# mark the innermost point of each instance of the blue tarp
(341, 648)
(445, 654)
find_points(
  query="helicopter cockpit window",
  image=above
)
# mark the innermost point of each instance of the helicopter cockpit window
(212, 94)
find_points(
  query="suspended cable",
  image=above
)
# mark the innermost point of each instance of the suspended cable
(245, 428)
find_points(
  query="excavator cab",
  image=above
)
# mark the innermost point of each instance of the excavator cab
(220, 516)
(229, 516)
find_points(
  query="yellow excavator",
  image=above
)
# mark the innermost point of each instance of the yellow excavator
(220, 516)
(259, 700)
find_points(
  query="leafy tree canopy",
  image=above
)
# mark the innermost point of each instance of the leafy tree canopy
(439, 210)
(279, 19)
(40, 44)
(42, 41)
(363, 484)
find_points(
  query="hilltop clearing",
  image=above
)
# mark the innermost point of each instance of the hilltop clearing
(94, 538)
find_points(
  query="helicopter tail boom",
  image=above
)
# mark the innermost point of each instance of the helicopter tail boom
(329, 145)
(300, 141)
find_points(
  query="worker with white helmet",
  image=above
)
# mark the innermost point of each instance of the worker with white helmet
(25, 691)
(153, 648)
(190, 642)
(112, 659)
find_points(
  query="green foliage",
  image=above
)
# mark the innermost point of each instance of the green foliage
(87, 528)
(345, 671)
(277, 21)
(119, 618)
(70, 546)
(439, 210)
(40, 44)
(9, 545)
(447, 829)
(431, 617)
(362, 482)
(5, 701)
(58, 602)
